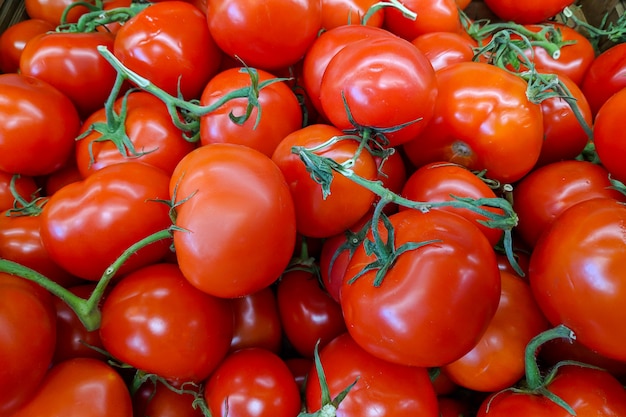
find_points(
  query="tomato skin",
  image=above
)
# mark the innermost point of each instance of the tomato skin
(392, 389)
(609, 139)
(169, 41)
(445, 48)
(262, 27)
(38, 124)
(157, 400)
(14, 39)
(82, 387)
(52, 10)
(409, 318)
(532, 11)
(280, 109)
(432, 16)
(343, 12)
(25, 186)
(482, 119)
(347, 202)
(252, 382)
(242, 207)
(120, 197)
(577, 276)
(27, 338)
(605, 76)
(154, 320)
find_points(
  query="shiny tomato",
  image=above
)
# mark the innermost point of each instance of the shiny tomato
(385, 84)
(278, 112)
(316, 215)
(577, 276)
(119, 204)
(483, 120)
(169, 44)
(609, 138)
(390, 389)
(38, 125)
(52, 10)
(83, 387)
(14, 39)
(252, 382)
(238, 220)
(605, 76)
(263, 28)
(445, 48)
(432, 16)
(25, 186)
(154, 320)
(343, 12)
(529, 11)
(60, 178)
(410, 317)
(148, 126)
(27, 338)
(157, 400)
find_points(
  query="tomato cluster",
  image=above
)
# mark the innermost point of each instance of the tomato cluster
(312, 207)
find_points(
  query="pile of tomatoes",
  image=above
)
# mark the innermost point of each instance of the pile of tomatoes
(312, 208)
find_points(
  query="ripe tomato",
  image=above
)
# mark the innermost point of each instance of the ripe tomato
(347, 202)
(410, 317)
(67, 174)
(83, 387)
(238, 207)
(14, 39)
(27, 337)
(390, 389)
(262, 28)
(154, 320)
(609, 138)
(252, 382)
(605, 76)
(25, 186)
(169, 44)
(483, 120)
(117, 203)
(390, 83)
(343, 12)
(432, 16)
(577, 276)
(52, 10)
(280, 112)
(530, 11)
(445, 48)
(157, 400)
(38, 124)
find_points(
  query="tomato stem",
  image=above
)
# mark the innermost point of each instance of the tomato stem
(534, 380)
(614, 32)
(97, 16)
(21, 206)
(406, 12)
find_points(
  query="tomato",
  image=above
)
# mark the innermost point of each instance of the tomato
(440, 181)
(118, 204)
(541, 196)
(531, 11)
(149, 128)
(252, 382)
(262, 28)
(445, 48)
(388, 388)
(497, 360)
(609, 139)
(343, 12)
(432, 16)
(577, 277)
(410, 317)
(169, 44)
(67, 174)
(257, 321)
(14, 39)
(52, 10)
(71, 63)
(238, 208)
(27, 338)
(309, 315)
(154, 320)
(83, 387)
(299, 368)
(385, 82)
(605, 76)
(25, 186)
(278, 109)
(157, 400)
(462, 4)
(590, 393)
(316, 215)
(483, 121)
(38, 124)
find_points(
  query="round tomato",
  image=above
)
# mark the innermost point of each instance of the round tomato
(605, 76)
(343, 12)
(432, 16)
(445, 48)
(529, 11)
(14, 39)
(609, 138)
(25, 186)
(52, 10)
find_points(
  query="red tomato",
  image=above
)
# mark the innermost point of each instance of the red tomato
(25, 186)
(343, 12)
(280, 112)
(27, 337)
(541, 196)
(149, 128)
(299, 368)
(463, 3)
(61, 177)
(239, 220)
(83, 387)
(169, 44)
(316, 215)
(385, 82)
(609, 138)
(529, 11)
(14, 39)
(410, 317)
(38, 124)
(252, 382)
(432, 16)
(118, 204)
(157, 400)
(52, 10)
(389, 388)
(154, 320)
(577, 276)
(445, 48)
(71, 63)
(263, 28)
(606, 76)
(482, 120)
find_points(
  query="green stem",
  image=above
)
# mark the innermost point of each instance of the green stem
(97, 17)
(406, 12)
(613, 31)
(534, 380)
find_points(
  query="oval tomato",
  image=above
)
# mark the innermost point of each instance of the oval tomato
(609, 138)
(14, 39)
(432, 16)
(605, 76)
(529, 11)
